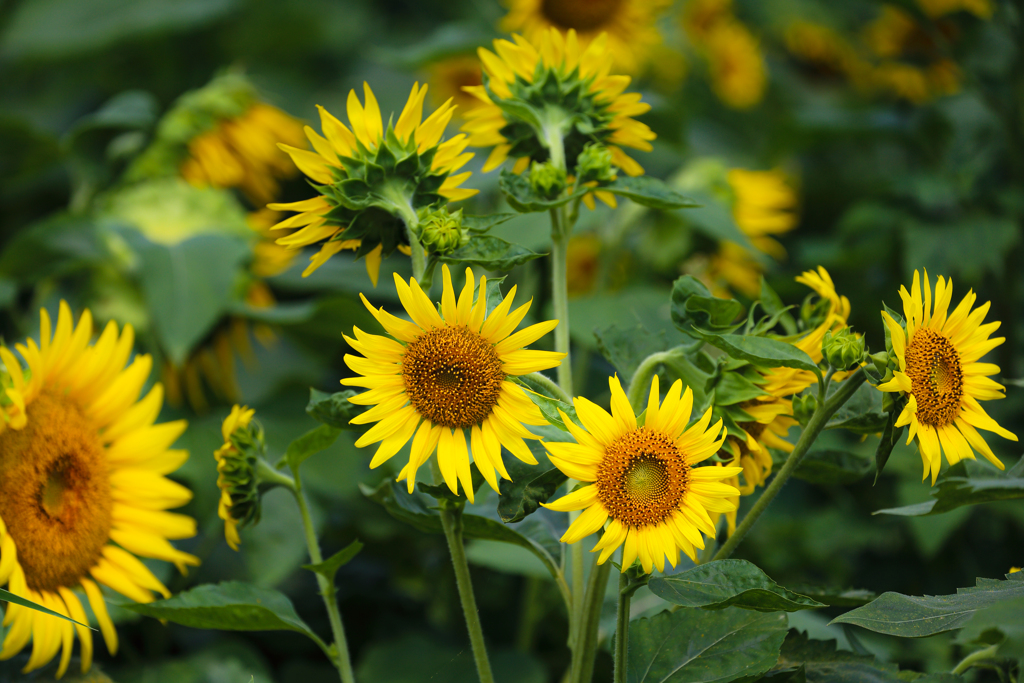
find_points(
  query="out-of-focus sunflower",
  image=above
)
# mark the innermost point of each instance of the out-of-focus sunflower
(83, 487)
(450, 77)
(582, 263)
(443, 379)
(643, 481)
(738, 73)
(373, 180)
(982, 9)
(630, 25)
(940, 374)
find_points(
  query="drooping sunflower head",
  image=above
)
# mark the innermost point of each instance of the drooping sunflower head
(236, 472)
(552, 87)
(446, 380)
(629, 24)
(82, 485)
(938, 352)
(372, 179)
(642, 479)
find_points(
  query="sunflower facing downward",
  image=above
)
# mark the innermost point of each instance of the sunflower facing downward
(444, 377)
(371, 178)
(939, 372)
(82, 485)
(643, 478)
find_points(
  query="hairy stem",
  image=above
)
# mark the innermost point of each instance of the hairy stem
(815, 425)
(622, 631)
(590, 623)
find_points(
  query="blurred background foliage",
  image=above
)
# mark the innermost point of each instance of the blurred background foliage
(883, 137)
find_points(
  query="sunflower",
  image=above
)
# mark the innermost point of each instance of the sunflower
(939, 373)
(82, 485)
(630, 25)
(554, 73)
(446, 376)
(235, 479)
(451, 76)
(982, 9)
(643, 478)
(370, 178)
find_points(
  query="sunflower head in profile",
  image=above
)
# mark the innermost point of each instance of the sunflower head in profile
(372, 180)
(550, 97)
(444, 380)
(630, 25)
(237, 477)
(643, 479)
(940, 375)
(83, 487)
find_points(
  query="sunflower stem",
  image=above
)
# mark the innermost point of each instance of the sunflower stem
(597, 584)
(822, 413)
(342, 659)
(641, 381)
(560, 295)
(622, 630)
(451, 522)
(973, 659)
(543, 380)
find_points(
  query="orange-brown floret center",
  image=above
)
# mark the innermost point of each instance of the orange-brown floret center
(452, 376)
(936, 377)
(55, 493)
(582, 15)
(642, 478)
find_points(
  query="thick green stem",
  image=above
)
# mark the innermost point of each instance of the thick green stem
(560, 297)
(583, 664)
(641, 382)
(815, 425)
(343, 660)
(451, 522)
(544, 381)
(622, 631)
(531, 610)
(975, 657)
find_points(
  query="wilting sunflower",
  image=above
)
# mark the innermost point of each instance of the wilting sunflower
(82, 485)
(643, 479)
(372, 180)
(631, 25)
(938, 353)
(445, 377)
(555, 74)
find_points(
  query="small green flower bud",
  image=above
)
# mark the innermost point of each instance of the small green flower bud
(803, 407)
(595, 163)
(842, 349)
(547, 180)
(441, 232)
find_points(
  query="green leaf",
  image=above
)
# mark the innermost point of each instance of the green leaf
(522, 197)
(862, 413)
(227, 606)
(442, 492)
(692, 645)
(773, 306)
(728, 583)
(334, 410)
(485, 223)
(906, 616)
(627, 348)
(827, 467)
(549, 404)
(954, 492)
(57, 246)
(693, 306)
(278, 314)
(850, 597)
(715, 219)
(329, 567)
(823, 663)
(7, 596)
(530, 486)
(490, 253)
(761, 351)
(1006, 618)
(648, 191)
(309, 444)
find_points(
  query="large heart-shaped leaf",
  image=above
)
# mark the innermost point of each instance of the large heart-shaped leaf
(729, 583)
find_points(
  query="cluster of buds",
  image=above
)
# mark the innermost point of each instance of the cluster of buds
(843, 350)
(804, 406)
(547, 180)
(595, 164)
(441, 231)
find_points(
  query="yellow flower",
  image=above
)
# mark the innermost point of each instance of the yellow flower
(82, 485)
(738, 73)
(936, 8)
(643, 479)
(234, 475)
(449, 78)
(938, 353)
(368, 171)
(582, 91)
(242, 152)
(630, 25)
(582, 263)
(446, 376)
(269, 258)
(1014, 570)
(700, 16)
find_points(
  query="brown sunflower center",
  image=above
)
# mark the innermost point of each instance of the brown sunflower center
(453, 376)
(55, 495)
(642, 478)
(582, 15)
(936, 377)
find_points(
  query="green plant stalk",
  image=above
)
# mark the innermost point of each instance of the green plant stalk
(622, 631)
(814, 427)
(451, 522)
(640, 384)
(343, 661)
(543, 380)
(974, 658)
(590, 624)
(531, 610)
(560, 295)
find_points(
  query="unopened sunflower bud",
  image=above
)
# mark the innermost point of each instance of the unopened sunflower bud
(547, 180)
(842, 349)
(595, 163)
(238, 472)
(803, 407)
(441, 232)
